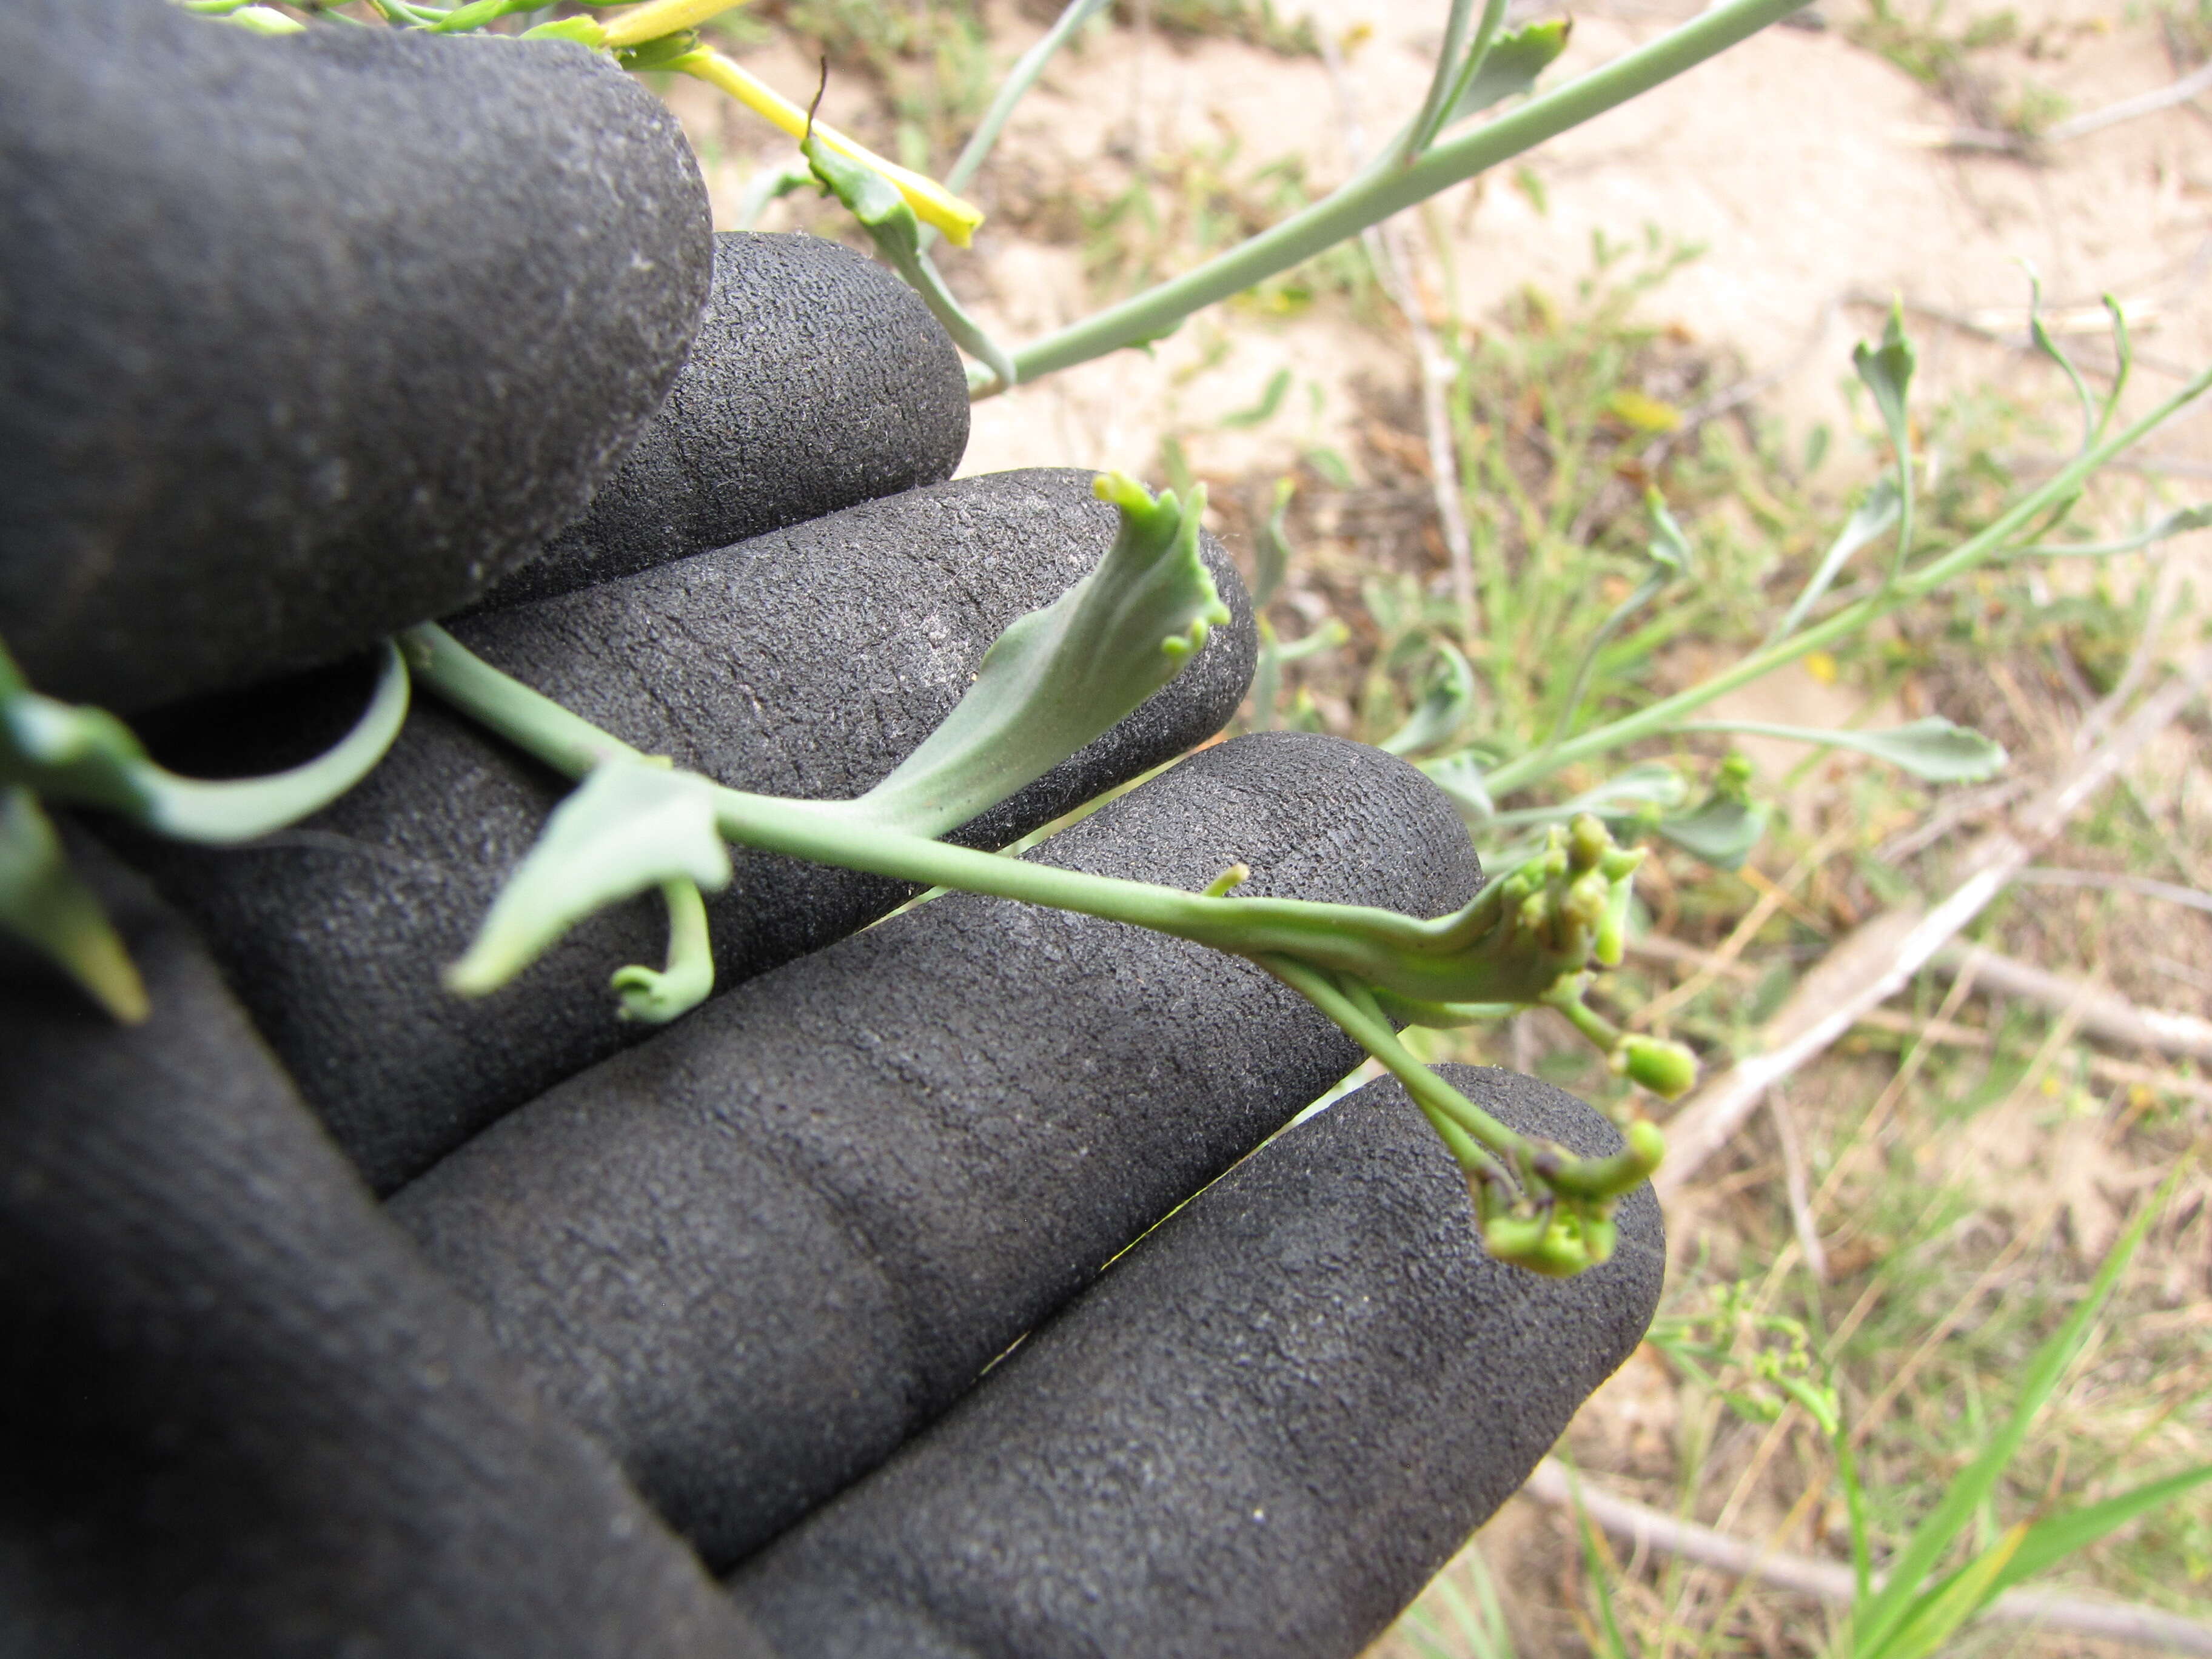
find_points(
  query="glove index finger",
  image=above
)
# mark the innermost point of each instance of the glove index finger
(817, 381)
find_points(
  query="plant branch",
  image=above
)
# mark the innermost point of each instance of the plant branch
(1665, 713)
(1877, 959)
(1375, 195)
(1020, 79)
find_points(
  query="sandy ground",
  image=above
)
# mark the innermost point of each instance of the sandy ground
(1802, 163)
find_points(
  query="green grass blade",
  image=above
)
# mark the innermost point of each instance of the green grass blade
(1932, 1617)
(2049, 1542)
(1878, 1618)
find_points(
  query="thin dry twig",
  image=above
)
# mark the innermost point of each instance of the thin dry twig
(2105, 1012)
(1387, 247)
(1643, 1527)
(1879, 958)
(1793, 1181)
(2142, 886)
(2104, 1068)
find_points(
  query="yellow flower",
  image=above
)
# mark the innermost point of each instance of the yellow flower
(660, 17)
(931, 203)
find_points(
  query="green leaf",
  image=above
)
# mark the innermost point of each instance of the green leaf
(1887, 1609)
(1061, 677)
(630, 827)
(1875, 515)
(1273, 549)
(2173, 524)
(1264, 410)
(2049, 1542)
(1935, 1616)
(1460, 776)
(85, 756)
(44, 905)
(1932, 748)
(891, 225)
(1722, 830)
(1627, 794)
(1669, 548)
(1443, 709)
(1887, 371)
(1510, 68)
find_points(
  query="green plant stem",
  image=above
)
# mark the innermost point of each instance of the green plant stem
(1020, 79)
(1465, 1126)
(1442, 83)
(1486, 36)
(1664, 715)
(1375, 195)
(531, 721)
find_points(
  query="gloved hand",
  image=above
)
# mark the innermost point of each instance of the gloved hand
(748, 1283)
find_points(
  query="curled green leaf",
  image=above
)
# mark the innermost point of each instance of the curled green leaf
(44, 904)
(86, 756)
(883, 213)
(631, 827)
(1060, 676)
(655, 996)
(1443, 709)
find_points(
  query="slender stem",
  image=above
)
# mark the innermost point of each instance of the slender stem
(1377, 194)
(1486, 36)
(531, 721)
(1665, 713)
(244, 809)
(1020, 79)
(1444, 1106)
(1442, 82)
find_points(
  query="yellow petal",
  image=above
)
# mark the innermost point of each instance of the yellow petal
(652, 21)
(931, 203)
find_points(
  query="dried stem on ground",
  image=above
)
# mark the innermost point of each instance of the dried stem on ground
(1880, 957)
(1644, 1528)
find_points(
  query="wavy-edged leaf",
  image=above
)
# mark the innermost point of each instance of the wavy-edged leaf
(1887, 371)
(1722, 831)
(1060, 676)
(1510, 67)
(1932, 748)
(43, 903)
(630, 827)
(1443, 709)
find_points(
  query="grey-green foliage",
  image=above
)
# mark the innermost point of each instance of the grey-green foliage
(632, 826)
(83, 756)
(1060, 675)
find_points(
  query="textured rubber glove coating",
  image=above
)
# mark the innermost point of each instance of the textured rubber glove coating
(239, 1416)
(1262, 1432)
(809, 662)
(818, 379)
(304, 339)
(758, 1253)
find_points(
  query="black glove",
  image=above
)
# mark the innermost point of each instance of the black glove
(759, 1262)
